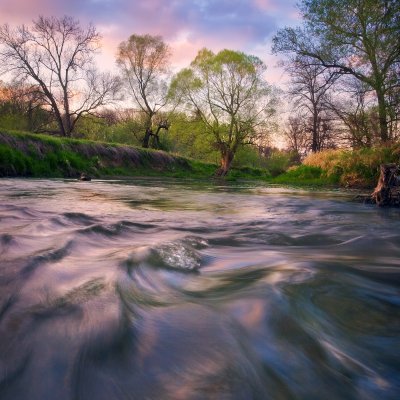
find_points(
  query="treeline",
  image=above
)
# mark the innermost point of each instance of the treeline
(344, 65)
(344, 90)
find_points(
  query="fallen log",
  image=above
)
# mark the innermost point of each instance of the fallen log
(387, 191)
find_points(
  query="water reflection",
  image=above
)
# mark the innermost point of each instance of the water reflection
(159, 290)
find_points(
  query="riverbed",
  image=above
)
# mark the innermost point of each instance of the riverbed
(163, 289)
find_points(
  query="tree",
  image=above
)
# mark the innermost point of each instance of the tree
(23, 106)
(57, 54)
(143, 61)
(309, 88)
(296, 136)
(228, 92)
(357, 37)
(353, 106)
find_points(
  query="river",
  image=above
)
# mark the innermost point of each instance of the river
(162, 289)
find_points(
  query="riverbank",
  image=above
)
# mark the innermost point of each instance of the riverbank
(32, 155)
(354, 169)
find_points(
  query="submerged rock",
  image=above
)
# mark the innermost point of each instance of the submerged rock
(84, 177)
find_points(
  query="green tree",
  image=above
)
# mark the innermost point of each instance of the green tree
(188, 136)
(57, 55)
(357, 37)
(228, 92)
(143, 60)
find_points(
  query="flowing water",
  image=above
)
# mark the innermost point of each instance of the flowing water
(152, 289)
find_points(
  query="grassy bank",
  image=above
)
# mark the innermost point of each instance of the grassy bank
(345, 168)
(31, 155)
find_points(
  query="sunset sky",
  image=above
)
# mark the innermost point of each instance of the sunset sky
(186, 25)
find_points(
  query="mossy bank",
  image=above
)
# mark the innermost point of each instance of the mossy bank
(31, 155)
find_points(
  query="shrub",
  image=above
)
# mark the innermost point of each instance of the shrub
(354, 168)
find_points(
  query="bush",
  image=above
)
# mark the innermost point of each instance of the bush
(303, 174)
(354, 168)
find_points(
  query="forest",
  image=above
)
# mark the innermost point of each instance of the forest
(339, 112)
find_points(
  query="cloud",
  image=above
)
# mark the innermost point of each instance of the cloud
(187, 25)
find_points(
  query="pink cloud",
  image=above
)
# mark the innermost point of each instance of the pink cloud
(186, 25)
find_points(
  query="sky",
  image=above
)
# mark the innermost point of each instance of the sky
(186, 25)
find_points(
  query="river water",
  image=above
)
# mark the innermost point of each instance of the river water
(158, 289)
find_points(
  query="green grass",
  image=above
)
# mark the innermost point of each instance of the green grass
(32, 155)
(304, 175)
(346, 168)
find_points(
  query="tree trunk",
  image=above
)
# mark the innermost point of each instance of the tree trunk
(387, 191)
(383, 128)
(146, 139)
(225, 163)
(314, 145)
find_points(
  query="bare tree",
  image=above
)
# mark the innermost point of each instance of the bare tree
(353, 104)
(57, 54)
(143, 61)
(308, 90)
(296, 136)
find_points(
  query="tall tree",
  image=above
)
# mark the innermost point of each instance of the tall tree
(358, 37)
(309, 87)
(228, 92)
(143, 60)
(353, 105)
(57, 54)
(296, 135)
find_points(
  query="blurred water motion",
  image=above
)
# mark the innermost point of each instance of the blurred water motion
(163, 290)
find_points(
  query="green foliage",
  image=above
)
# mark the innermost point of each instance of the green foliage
(354, 168)
(23, 154)
(358, 168)
(229, 95)
(278, 162)
(12, 121)
(248, 156)
(189, 137)
(303, 175)
(357, 37)
(123, 132)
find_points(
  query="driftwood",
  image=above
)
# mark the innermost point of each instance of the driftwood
(387, 191)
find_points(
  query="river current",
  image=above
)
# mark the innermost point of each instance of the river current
(160, 289)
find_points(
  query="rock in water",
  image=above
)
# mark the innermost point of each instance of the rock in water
(85, 177)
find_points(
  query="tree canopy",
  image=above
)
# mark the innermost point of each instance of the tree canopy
(228, 92)
(358, 37)
(143, 60)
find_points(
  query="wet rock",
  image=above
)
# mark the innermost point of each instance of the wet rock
(84, 177)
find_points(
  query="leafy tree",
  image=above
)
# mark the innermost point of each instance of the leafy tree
(228, 93)
(143, 60)
(188, 136)
(357, 37)
(57, 55)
